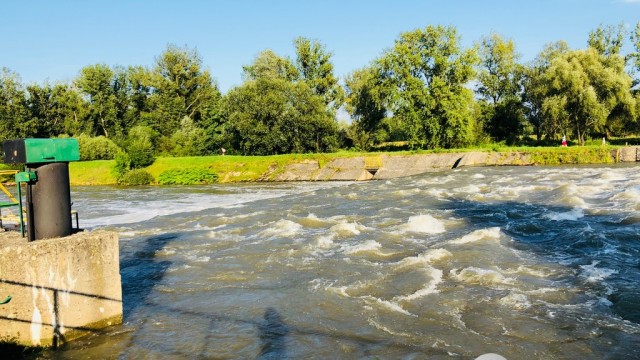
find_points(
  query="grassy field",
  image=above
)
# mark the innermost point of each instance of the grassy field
(252, 168)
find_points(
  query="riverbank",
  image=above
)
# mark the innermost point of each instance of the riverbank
(355, 166)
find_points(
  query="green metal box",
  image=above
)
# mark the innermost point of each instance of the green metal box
(38, 151)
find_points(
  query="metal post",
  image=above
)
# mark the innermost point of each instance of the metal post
(19, 185)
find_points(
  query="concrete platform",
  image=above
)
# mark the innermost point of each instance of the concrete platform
(61, 288)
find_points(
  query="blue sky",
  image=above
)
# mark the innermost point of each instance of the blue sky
(52, 40)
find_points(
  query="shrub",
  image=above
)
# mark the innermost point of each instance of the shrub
(140, 154)
(191, 176)
(136, 177)
(122, 166)
(97, 148)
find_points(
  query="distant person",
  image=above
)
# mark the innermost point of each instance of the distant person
(604, 141)
(564, 140)
(223, 151)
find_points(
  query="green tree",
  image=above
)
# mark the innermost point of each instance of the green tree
(607, 40)
(47, 110)
(98, 84)
(271, 116)
(316, 69)
(189, 140)
(536, 89)
(587, 90)
(634, 57)
(180, 88)
(268, 65)
(500, 86)
(423, 79)
(13, 106)
(364, 104)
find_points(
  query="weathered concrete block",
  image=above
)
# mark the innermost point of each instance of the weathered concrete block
(62, 288)
(303, 171)
(629, 154)
(399, 166)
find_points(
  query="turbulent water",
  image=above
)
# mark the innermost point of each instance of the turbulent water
(527, 262)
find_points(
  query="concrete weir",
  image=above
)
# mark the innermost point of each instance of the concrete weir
(61, 288)
(394, 166)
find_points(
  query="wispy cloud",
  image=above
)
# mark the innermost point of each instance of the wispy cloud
(630, 1)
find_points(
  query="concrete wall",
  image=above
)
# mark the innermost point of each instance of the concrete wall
(61, 288)
(394, 166)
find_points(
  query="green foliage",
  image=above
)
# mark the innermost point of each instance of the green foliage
(422, 81)
(572, 155)
(187, 176)
(500, 87)
(122, 165)
(190, 140)
(268, 65)
(139, 145)
(364, 105)
(97, 148)
(181, 88)
(584, 89)
(141, 154)
(136, 177)
(13, 109)
(100, 85)
(315, 67)
(607, 40)
(275, 116)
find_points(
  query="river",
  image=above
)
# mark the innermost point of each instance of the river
(526, 262)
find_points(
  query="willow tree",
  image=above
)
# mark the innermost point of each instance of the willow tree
(536, 89)
(423, 78)
(585, 89)
(500, 88)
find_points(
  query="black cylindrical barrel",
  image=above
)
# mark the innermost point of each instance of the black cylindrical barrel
(50, 201)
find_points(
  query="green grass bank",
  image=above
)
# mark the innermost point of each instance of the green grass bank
(263, 168)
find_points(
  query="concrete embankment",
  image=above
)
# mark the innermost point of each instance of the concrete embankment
(61, 288)
(393, 166)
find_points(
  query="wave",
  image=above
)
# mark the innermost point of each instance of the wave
(423, 224)
(283, 228)
(488, 234)
(572, 215)
(474, 275)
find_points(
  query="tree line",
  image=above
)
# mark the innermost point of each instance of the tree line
(425, 91)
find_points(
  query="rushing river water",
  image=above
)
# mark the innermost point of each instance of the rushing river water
(527, 262)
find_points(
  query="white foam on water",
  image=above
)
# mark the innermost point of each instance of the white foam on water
(474, 275)
(387, 330)
(423, 259)
(389, 305)
(282, 228)
(368, 246)
(478, 176)
(471, 189)
(516, 301)
(324, 241)
(572, 215)
(592, 274)
(347, 229)
(478, 235)
(339, 290)
(423, 224)
(630, 196)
